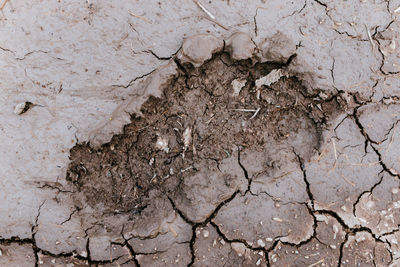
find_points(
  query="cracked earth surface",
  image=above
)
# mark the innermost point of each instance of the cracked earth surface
(200, 133)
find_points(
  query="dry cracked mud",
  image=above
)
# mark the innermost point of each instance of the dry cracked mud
(227, 146)
(199, 133)
(189, 143)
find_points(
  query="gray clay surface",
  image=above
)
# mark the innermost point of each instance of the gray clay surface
(199, 133)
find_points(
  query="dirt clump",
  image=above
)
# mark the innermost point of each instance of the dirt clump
(199, 121)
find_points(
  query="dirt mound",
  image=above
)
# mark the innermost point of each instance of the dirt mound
(205, 115)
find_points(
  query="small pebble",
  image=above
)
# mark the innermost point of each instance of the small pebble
(162, 144)
(21, 108)
(206, 233)
(260, 243)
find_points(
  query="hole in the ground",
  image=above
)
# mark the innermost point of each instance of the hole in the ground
(198, 118)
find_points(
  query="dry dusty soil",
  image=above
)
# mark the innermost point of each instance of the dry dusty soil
(200, 133)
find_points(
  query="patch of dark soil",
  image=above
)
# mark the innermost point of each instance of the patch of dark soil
(198, 119)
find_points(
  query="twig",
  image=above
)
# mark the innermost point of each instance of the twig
(245, 110)
(210, 16)
(334, 152)
(348, 181)
(2, 5)
(152, 179)
(216, 22)
(276, 178)
(316, 263)
(188, 168)
(334, 148)
(204, 9)
(248, 110)
(369, 36)
(139, 17)
(212, 116)
(255, 113)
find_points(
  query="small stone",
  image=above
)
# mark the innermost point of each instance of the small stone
(162, 144)
(269, 79)
(370, 204)
(237, 86)
(258, 262)
(392, 45)
(335, 230)
(260, 243)
(333, 246)
(274, 258)
(387, 101)
(206, 233)
(323, 96)
(21, 108)
(240, 249)
(187, 137)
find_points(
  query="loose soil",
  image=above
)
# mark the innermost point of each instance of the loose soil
(197, 120)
